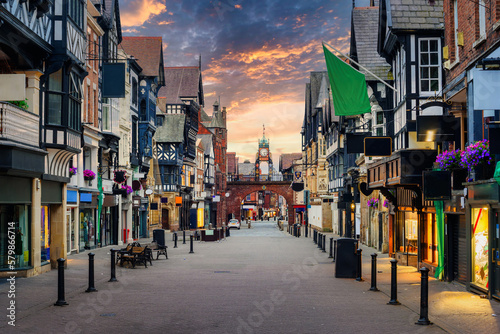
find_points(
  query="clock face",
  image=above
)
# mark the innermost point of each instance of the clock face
(264, 152)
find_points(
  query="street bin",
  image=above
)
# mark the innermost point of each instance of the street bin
(159, 237)
(346, 259)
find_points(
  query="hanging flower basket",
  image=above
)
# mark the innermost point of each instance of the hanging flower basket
(72, 171)
(127, 188)
(449, 160)
(385, 204)
(120, 176)
(372, 202)
(477, 160)
(88, 175)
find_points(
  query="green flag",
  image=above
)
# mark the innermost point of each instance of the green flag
(440, 234)
(348, 87)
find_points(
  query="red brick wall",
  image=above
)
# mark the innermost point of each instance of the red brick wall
(468, 24)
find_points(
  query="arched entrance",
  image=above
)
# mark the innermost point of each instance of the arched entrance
(238, 190)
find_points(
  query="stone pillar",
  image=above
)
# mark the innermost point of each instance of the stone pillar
(58, 230)
(32, 90)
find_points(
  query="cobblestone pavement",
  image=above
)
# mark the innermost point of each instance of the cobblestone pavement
(258, 280)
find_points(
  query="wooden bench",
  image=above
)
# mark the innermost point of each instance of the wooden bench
(136, 255)
(159, 249)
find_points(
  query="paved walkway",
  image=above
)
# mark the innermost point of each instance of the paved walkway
(259, 280)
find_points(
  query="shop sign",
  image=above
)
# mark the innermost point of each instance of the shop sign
(178, 200)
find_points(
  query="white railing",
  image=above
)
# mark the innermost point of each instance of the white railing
(18, 125)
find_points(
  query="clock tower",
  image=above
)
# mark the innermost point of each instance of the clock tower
(263, 160)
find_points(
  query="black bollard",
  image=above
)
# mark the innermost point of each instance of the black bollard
(323, 244)
(334, 250)
(228, 233)
(113, 266)
(315, 240)
(359, 275)
(175, 239)
(374, 273)
(191, 244)
(305, 227)
(331, 249)
(183, 237)
(320, 237)
(91, 287)
(424, 298)
(294, 230)
(394, 283)
(60, 283)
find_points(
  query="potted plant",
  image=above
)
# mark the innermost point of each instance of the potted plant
(72, 171)
(478, 161)
(88, 175)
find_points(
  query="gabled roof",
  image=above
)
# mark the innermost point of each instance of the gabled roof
(172, 130)
(217, 120)
(207, 141)
(364, 42)
(204, 116)
(183, 82)
(148, 51)
(315, 80)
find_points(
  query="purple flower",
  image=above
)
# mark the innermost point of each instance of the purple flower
(476, 154)
(129, 188)
(448, 159)
(72, 171)
(88, 174)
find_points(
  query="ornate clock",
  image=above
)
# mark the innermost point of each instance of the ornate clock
(264, 152)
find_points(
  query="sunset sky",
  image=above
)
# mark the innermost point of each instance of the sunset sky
(256, 55)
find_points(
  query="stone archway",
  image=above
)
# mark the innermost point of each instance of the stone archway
(238, 190)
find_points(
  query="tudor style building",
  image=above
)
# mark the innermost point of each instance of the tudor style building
(26, 36)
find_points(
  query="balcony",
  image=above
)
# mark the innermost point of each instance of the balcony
(18, 125)
(403, 167)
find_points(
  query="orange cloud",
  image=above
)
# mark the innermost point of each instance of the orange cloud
(237, 6)
(140, 11)
(165, 23)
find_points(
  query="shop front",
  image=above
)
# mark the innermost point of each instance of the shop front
(72, 222)
(110, 219)
(482, 221)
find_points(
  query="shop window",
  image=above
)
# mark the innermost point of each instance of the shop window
(407, 233)
(15, 236)
(479, 256)
(87, 229)
(45, 234)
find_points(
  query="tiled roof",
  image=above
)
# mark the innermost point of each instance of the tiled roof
(204, 116)
(148, 52)
(416, 14)
(365, 25)
(172, 130)
(180, 82)
(286, 160)
(207, 142)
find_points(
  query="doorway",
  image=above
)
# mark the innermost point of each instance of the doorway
(165, 224)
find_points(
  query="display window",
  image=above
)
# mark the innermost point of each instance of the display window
(87, 229)
(15, 236)
(45, 233)
(479, 233)
(407, 232)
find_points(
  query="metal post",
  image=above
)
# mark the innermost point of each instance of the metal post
(183, 237)
(113, 266)
(315, 240)
(358, 271)
(60, 283)
(331, 249)
(394, 283)
(91, 287)
(305, 227)
(424, 298)
(175, 239)
(334, 250)
(191, 244)
(374, 273)
(323, 243)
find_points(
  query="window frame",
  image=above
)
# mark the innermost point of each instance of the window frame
(437, 65)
